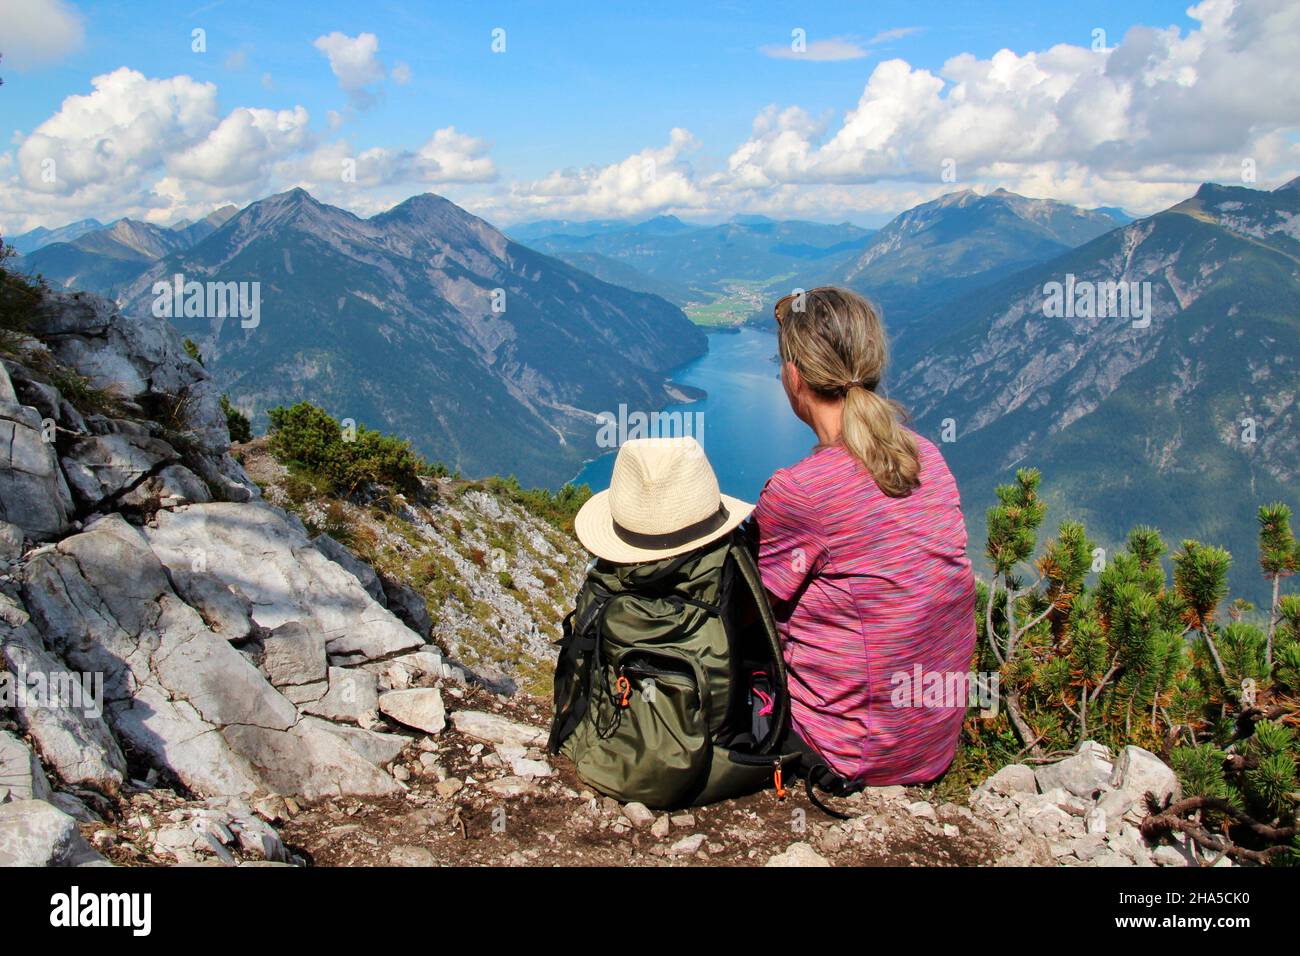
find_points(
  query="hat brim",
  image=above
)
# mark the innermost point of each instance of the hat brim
(594, 525)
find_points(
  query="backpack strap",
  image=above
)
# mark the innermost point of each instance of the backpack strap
(705, 606)
(818, 774)
(581, 640)
(748, 568)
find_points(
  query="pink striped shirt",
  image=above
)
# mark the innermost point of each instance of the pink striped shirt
(871, 588)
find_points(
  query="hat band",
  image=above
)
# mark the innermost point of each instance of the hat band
(673, 539)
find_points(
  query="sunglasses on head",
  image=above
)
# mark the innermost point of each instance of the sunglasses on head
(782, 308)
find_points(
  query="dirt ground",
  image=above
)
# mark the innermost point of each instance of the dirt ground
(450, 816)
(562, 822)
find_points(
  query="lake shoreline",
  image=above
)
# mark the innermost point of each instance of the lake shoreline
(743, 398)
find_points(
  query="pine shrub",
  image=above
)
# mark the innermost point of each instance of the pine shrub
(310, 438)
(1123, 652)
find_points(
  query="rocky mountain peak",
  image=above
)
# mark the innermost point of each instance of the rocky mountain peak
(431, 219)
(426, 206)
(142, 237)
(958, 197)
(1272, 217)
(967, 239)
(221, 214)
(295, 208)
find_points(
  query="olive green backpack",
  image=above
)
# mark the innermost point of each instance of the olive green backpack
(670, 688)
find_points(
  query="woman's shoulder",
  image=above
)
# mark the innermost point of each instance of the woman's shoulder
(931, 457)
(813, 477)
(831, 472)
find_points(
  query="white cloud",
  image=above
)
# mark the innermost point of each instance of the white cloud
(447, 157)
(897, 33)
(453, 157)
(401, 74)
(661, 180)
(36, 32)
(1139, 125)
(355, 62)
(652, 179)
(243, 146)
(159, 149)
(1143, 122)
(109, 137)
(817, 51)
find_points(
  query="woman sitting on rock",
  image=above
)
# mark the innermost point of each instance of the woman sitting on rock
(862, 549)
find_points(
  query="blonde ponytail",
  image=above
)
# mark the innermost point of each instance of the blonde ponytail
(837, 343)
(874, 436)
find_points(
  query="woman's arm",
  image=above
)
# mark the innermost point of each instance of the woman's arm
(791, 549)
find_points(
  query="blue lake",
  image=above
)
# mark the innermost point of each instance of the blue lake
(748, 428)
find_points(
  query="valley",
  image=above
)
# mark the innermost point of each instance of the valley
(1134, 416)
(738, 301)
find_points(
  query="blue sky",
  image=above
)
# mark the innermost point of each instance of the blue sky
(579, 82)
(542, 128)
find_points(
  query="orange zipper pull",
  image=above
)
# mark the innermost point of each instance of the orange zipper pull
(625, 688)
(781, 792)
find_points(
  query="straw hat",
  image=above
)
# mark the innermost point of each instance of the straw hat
(663, 500)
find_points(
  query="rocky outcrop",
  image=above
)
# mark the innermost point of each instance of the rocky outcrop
(176, 626)
(1138, 772)
(150, 428)
(37, 833)
(1087, 807)
(172, 629)
(345, 559)
(136, 358)
(21, 775)
(1085, 774)
(65, 722)
(34, 494)
(257, 552)
(463, 566)
(176, 687)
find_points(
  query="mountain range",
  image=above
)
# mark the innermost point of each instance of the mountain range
(105, 258)
(427, 322)
(27, 242)
(699, 261)
(1188, 423)
(934, 253)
